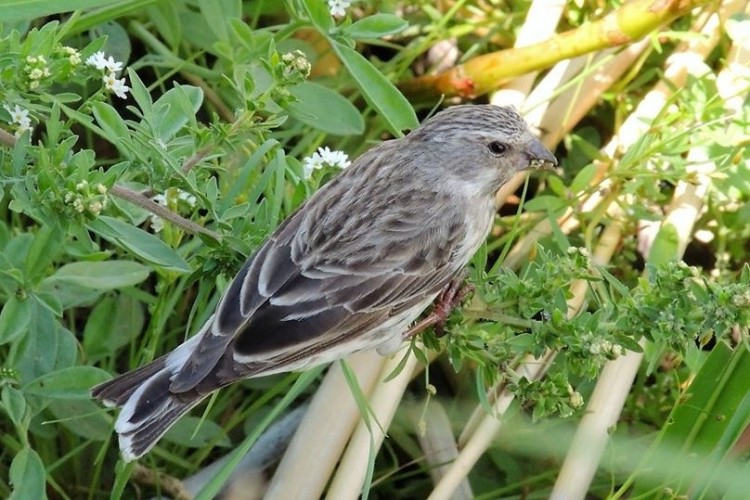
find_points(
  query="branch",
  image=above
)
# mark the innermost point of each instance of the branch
(142, 201)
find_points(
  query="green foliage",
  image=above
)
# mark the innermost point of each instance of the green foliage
(123, 219)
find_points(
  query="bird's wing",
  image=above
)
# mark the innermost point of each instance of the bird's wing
(327, 275)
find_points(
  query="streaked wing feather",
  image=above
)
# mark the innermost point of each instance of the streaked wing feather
(342, 263)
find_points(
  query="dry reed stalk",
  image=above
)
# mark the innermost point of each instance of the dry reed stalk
(540, 25)
(617, 377)
(322, 436)
(368, 436)
(439, 446)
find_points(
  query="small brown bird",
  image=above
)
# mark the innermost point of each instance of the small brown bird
(350, 270)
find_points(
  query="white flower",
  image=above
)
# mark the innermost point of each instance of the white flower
(186, 197)
(116, 85)
(97, 60)
(324, 156)
(338, 7)
(157, 223)
(20, 117)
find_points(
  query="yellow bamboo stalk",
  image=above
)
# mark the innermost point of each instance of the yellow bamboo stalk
(629, 23)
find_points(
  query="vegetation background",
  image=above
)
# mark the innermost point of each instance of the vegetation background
(147, 147)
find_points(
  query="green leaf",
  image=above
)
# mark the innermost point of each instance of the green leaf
(376, 26)
(74, 382)
(33, 9)
(217, 13)
(320, 14)
(106, 275)
(175, 109)
(144, 245)
(583, 178)
(27, 476)
(195, 432)
(325, 109)
(377, 90)
(82, 417)
(45, 247)
(14, 319)
(14, 404)
(545, 203)
(665, 246)
(111, 122)
(112, 324)
(140, 93)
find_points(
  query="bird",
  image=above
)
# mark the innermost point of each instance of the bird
(350, 270)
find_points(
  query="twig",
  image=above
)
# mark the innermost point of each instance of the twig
(142, 201)
(7, 138)
(169, 484)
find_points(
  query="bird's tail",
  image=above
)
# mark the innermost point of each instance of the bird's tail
(149, 408)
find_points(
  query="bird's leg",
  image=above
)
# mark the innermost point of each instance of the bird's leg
(447, 301)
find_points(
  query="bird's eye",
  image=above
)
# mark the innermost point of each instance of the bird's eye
(497, 148)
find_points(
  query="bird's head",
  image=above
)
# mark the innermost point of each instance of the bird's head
(483, 145)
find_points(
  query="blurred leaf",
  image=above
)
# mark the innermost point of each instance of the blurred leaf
(325, 109)
(194, 432)
(141, 243)
(74, 382)
(166, 19)
(112, 324)
(376, 26)
(175, 109)
(27, 476)
(14, 404)
(665, 245)
(106, 275)
(217, 13)
(32, 9)
(706, 421)
(319, 14)
(545, 203)
(583, 178)
(82, 417)
(378, 91)
(111, 122)
(118, 42)
(14, 319)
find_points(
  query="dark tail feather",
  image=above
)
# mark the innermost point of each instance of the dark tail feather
(116, 392)
(149, 408)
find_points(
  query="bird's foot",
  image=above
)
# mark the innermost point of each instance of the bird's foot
(450, 298)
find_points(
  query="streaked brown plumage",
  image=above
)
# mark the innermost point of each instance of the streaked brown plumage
(350, 270)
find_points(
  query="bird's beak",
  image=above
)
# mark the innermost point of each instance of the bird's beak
(539, 157)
